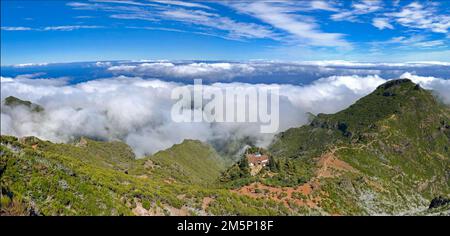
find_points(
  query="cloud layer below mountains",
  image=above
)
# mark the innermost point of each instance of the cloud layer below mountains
(258, 71)
(296, 73)
(138, 111)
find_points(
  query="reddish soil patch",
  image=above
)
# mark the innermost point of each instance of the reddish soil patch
(205, 202)
(301, 195)
(330, 166)
(177, 212)
(139, 210)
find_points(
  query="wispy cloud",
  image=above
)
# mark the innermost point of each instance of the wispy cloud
(183, 12)
(288, 22)
(31, 64)
(284, 26)
(70, 27)
(417, 15)
(416, 41)
(236, 29)
(323, 5)
(367, 6)
(79, 5)
(136, 3)
(358, 8)
(19, 28)
(382, 23)
(413, 42)
(134, 16)
(84, 17)
(183, 4)
(316, 27)
(304, 29)
(181, 31)
(53, 28)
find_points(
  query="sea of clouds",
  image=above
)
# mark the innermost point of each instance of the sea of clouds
(137, 109)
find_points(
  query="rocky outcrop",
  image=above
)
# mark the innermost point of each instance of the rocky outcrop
(438, 202)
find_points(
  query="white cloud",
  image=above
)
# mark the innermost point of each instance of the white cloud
(78, 4)
(331, 94)
(150, 3)
(83, 17)
(183, 4)
(31, 64)
(191, 13)
(358, 8)
(415, 41)
(432, 43)
(286, 24)
(395, 3)
(193, 70)
(19, 28)
(137, 111)
(438, 63)
(236, 29)
(367, 6)
(323, 5)
(440, 86)
(70, 27)
(416, 15)
(103, 64)
(226, 71)
(126, 2)
(382, 23)
(344, 15)
(53, 28)
(304, 30)
(131, 109)
(181, 31)
(339, 63)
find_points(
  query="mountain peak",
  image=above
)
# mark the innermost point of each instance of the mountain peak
(397, 87)
(400, 100)
(392, 97)
(396, 83)
(12, 101)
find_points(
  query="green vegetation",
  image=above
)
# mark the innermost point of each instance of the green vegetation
(43, 178)
(189, 162)
(237, 175)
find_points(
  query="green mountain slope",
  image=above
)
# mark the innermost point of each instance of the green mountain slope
(115, 154)
(190, 162)
(101, 178)
(386, 154)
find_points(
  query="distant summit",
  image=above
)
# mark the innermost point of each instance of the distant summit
(391, 98)
(12, 101)
(396, 82)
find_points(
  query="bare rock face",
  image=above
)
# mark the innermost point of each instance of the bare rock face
(438, 202)
(82, 142)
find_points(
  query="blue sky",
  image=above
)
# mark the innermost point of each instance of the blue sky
(66, 31)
